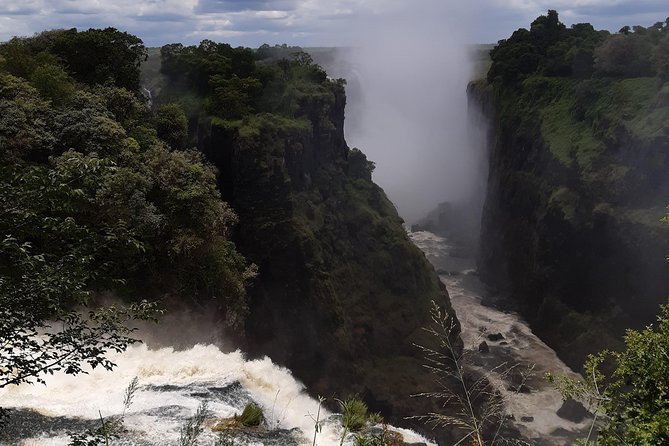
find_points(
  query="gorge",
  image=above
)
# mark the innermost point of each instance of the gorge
(233, 198)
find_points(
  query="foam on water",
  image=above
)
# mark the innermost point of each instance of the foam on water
(172, 384)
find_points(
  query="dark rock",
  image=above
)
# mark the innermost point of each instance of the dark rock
(518, 384)
(520, 389)
(503, 343)
(443, 272)
(573, 411)
(495, 337)
(526, 419)
(483, 347)
(561, 432)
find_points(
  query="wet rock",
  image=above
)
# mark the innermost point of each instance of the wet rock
(483, 347)
(518, 384)
(561, 432)
(573, 411)
(444, 272)
(503, 343)
(520, 389)
(527, 419)
(495, 337)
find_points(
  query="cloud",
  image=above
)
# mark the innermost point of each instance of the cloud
(18, 10)
(589, 10)
(301, 22)
(209, 6)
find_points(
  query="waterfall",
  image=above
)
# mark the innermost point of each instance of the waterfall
(172, 384)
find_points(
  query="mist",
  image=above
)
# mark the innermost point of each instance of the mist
(407, 105)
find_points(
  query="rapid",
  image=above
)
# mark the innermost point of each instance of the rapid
(172, 384)
(511, 344)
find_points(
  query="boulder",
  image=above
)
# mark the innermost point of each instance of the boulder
(573, 411)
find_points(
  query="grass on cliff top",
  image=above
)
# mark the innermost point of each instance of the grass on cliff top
(637, 105)
(568, 139)
(640, 106)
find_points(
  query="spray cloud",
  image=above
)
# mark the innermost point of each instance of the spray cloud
(407, 104)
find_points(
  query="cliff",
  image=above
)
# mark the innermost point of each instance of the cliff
(342, 294)
(577, 188)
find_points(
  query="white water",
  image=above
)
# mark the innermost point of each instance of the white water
(172, 385)
(519, 346)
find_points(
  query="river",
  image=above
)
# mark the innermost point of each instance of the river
(510, 342)
(172, 383)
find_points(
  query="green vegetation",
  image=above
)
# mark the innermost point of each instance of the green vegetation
(354, 417)
(580, 119)
(251, 416)
(627, 390)
(590, 98)
(329, 244)
(95, 199)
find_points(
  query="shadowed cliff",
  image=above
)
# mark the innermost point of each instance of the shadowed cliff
(577, 188)
(342, 294)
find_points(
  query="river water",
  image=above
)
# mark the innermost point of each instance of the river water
(534, 410)
(172, 383)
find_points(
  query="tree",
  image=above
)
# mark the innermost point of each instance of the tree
(85, 208)
(50, 263)
(172, 125)
(625, 55)
(99, 55)
(24, 121)
(232, 97)
(632, 399)
(660, 58)
(53, 83)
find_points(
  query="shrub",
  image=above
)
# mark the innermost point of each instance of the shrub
(251, 416)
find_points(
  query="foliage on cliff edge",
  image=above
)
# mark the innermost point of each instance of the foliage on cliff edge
(93, 202)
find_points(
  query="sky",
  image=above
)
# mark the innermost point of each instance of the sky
(300, 22)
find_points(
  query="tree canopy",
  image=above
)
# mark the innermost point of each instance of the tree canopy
(97, 196)
(549, 48)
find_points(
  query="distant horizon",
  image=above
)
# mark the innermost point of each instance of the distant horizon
(310, 23)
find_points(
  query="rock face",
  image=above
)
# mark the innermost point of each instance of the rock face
(571, 224)
(342, 293)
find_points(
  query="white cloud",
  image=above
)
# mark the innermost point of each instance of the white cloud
(319, 22)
